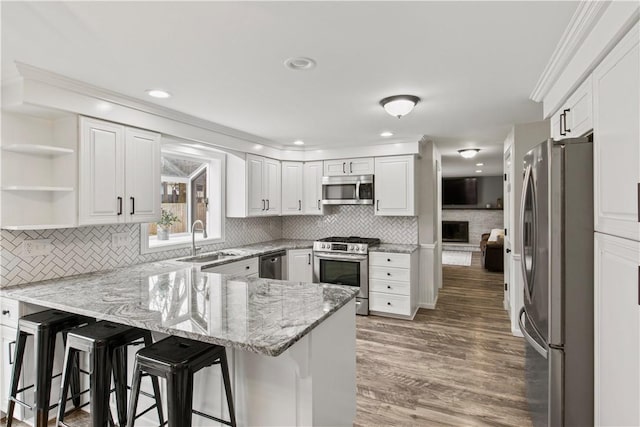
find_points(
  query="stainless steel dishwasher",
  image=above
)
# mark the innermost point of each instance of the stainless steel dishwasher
(271, 265)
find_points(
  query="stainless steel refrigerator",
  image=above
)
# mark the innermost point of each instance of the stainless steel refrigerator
(556, 244)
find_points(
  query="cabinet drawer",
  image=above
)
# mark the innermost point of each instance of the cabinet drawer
(390, 287)
(390, 273)
(389, 303)
(244, 268)
(10, 310)
(390, 259)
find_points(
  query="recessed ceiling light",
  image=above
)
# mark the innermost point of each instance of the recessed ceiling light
(299, 63)
(478, 171)
(479, 164)
(468, 153)
(158, 93)
(257, 147)
(298, 142)
(386, 134)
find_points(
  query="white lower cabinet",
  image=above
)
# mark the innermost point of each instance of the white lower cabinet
(300, 265)
(247, 267)
(617, 331)
(393, 284)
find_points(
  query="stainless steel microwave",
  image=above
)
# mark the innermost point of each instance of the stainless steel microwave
(347, 190)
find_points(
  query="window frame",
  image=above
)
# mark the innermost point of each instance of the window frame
(216, 186)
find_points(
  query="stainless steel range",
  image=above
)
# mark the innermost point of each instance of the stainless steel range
(344, 261)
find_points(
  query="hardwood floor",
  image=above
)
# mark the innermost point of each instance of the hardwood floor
(456, 365)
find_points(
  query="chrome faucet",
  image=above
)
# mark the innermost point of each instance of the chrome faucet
(195, 250)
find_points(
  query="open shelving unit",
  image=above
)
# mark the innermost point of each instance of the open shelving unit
(39, 171)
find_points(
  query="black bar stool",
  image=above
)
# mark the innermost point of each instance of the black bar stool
(177, 360)
(44, 327)
(106, 343)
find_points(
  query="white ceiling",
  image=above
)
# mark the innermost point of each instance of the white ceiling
(473, 64)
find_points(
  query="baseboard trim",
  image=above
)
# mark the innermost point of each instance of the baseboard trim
(429, 305)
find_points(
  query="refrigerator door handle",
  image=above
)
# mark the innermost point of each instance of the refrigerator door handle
(523, 259)
(537, 347)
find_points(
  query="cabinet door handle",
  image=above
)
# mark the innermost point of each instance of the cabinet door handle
(11, 355)
(247, 267)
(388, 287)
(299, 205)
(267, 204)
(508, 250)
(568, 110)
(309, 259)
(388, 259)
(350, 167)
(388, 303)
(133, 205)
(344, 165)
(388, 274)
(562, 118)
(119, 205)
(319, 199)
(377, 205)
(5, 312)
(263, 204)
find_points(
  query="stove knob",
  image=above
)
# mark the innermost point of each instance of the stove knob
(351, 247)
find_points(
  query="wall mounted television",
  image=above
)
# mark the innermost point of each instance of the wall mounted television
(459, 191)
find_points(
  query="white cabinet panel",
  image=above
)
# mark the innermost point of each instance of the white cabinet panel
(616, 89)
(395, 186)
(142, 175)
(300, 268)
(101, 177)
(338, 167)
(256, 202)
(390, 303)
(292, 188)
(247, 267)
(312, 193)
(617, 331)
(272, 186)
(385, 259)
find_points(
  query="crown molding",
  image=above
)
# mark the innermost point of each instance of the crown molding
(29, 72)
(582, 22)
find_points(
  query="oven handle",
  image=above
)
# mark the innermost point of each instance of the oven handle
(343, 257)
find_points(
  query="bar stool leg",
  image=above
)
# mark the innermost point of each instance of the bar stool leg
(120, 379)
(180, 398)
(135, 391)
(75, 375)
(21, 342)
(44, 346)
(227, 386)
(101, 375)
(69, 358)
(148, 340)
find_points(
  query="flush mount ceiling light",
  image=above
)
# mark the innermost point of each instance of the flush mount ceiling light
(298, 142)
(479, 171)
(299, 63)
(158, 93)
(468, 153)
(386, 134)
(399, 105)
(479, 164)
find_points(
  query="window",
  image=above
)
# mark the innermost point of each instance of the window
(191, 189)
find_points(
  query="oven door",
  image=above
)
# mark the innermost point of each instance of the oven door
(343, 269)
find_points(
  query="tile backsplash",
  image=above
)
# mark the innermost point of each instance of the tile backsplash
(352, 220)
(87, 249)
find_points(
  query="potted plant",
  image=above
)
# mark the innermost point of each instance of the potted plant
(167, 219)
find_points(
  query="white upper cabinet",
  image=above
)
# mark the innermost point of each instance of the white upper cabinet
(142, 175)
(114, 188)
(617, 331)
(575, 117)
(395, 186)
(616, 89)
(361, 166)
(312, 192)
(292, 188)
(253, 186)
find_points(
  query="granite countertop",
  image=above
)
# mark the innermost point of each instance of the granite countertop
(263, 316)
(394, 248)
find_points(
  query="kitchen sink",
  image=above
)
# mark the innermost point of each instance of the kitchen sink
(207, 257)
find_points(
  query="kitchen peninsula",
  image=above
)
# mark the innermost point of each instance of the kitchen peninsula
(291, 345)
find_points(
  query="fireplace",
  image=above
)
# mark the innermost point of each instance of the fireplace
(455, 231)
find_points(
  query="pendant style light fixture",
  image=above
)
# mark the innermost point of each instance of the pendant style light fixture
(468, 153)
(399, 105)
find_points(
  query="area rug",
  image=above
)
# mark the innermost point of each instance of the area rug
(456, 258)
